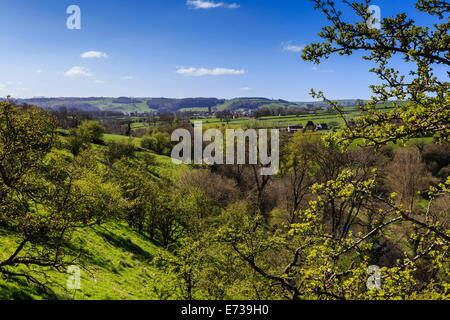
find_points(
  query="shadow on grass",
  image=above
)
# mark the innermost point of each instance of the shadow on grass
(126, 244)
(19, 289)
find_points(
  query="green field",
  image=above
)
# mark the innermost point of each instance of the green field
(108, 104)
(118, 138)
(323, 116)
(270, 122)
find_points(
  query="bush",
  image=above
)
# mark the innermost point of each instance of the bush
(119, 150)
(158, 142)
(86, 133)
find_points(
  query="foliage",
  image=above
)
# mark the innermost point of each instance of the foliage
(45, 196)
(157, 141)
(119, 150)
(427, 110)
(86, 133)
(322, 257)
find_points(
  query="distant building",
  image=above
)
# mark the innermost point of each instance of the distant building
(294, 129)
(322, 127)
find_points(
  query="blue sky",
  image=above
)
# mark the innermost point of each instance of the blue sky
(173, 48)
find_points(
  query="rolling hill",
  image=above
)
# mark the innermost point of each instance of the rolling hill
(127, 104)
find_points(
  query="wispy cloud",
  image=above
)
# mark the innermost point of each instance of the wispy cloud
(127, 78)
(292, 48)
(94, 54)
(198, 72)
(12, 88)
(204, 4)
(78, 72)
(99, 81)
(245, 89)
(316, 68)
(39, 70)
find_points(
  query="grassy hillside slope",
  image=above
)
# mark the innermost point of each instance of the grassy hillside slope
(115, 262)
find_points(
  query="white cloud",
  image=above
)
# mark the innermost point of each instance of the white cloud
(99, 81)
(204, 4)
(198, 72)
(12, 88)
(78, 72)
(128, 78)
(316, 68)
(94, 54)
(245, 89)
(39, 70)
(292, 48)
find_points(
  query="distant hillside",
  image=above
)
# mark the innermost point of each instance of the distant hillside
(254, 103)
(127, 104)
(166, 104)
(343, 103)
